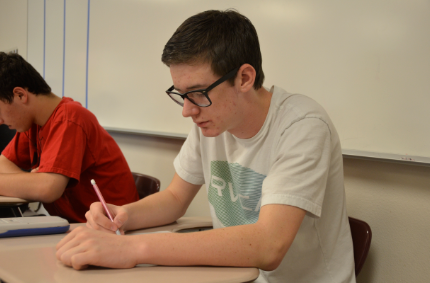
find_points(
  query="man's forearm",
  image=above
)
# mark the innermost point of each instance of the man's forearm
(154, 210)
(261, 245)
(161, 208)
(43, 187)
(232, 246)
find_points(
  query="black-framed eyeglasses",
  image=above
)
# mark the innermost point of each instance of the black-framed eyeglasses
(198, 97)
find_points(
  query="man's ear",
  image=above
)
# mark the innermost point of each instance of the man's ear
(246, 76)
(21, 94)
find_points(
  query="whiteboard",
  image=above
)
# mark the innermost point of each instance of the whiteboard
(367, 62)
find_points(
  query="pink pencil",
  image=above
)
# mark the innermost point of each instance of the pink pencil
(102, 200)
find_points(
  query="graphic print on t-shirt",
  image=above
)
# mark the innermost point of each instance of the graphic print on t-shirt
(235, 193)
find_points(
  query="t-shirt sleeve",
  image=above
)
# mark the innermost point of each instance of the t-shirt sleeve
(188, 163)
(18, 151)
(64, 150)
(299, 174)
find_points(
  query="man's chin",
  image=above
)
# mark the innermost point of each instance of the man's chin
(209, 133)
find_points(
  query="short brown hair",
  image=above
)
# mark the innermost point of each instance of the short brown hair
(16, 72)
(225, 39)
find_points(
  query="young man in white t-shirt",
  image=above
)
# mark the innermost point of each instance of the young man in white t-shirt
(271, 162)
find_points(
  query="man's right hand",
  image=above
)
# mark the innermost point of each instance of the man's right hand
(98, 220)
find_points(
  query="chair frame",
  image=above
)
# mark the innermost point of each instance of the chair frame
(361, 238)
(145, 184)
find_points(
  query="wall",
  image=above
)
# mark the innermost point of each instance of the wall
(13, 26)
(394, 200)
(154, 156)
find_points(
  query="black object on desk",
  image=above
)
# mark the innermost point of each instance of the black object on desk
(6, 135)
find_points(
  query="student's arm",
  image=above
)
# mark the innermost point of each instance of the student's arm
(43, 187)
(154, 210)
(7, 166)
(261, 245)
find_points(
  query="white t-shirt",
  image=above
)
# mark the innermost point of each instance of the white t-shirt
(295, 159)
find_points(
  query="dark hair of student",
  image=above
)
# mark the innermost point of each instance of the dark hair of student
(16, 72)
(225, 39)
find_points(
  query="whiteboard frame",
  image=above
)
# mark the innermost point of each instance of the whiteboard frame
(347, 153)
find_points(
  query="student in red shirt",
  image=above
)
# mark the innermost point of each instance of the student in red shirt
(61, 142)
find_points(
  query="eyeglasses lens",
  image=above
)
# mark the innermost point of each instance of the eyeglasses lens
(198, 98)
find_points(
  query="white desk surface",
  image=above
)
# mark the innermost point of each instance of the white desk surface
(11, 200)
(32, 259)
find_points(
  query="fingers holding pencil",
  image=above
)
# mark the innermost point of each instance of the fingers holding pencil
(105, 206)
(97, 218)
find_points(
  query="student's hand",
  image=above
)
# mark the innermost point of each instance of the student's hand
(98, 220)
(83, 247)
(35, 170)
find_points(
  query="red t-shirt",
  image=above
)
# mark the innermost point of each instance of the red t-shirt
(73, 143)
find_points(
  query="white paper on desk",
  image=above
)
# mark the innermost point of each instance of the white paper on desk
(145, 232)
(145, 265)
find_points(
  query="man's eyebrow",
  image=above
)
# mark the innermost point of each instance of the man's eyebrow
(194, 87)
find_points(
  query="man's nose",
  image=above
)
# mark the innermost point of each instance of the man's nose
(189, 109)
